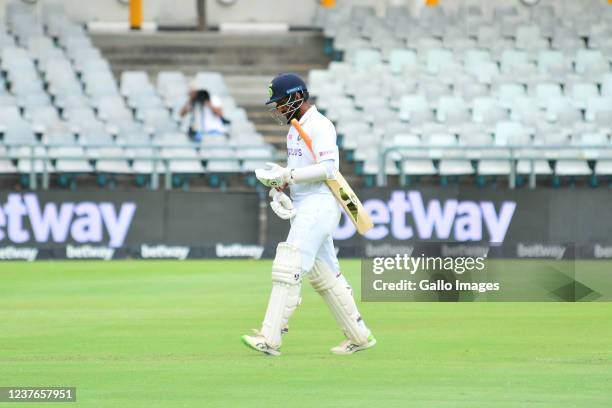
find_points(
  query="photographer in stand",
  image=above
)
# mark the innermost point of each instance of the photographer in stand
(205, 114)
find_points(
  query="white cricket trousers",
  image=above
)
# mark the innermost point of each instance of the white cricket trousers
(311, 230)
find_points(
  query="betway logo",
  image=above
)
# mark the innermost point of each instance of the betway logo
(89, 252)
(18, 253)
(238, 250)
(164, 251)
(406, 216)
(83, 221)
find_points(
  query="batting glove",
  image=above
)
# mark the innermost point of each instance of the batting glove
(281, 204)
(274, 175)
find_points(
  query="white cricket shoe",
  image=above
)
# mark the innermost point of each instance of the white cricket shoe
(258, 343)
(347, 347)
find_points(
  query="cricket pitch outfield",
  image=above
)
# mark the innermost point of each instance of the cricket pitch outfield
(167, 334)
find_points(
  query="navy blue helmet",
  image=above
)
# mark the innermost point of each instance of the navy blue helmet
(284, 85)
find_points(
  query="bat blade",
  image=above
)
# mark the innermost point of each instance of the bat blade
(351, 204)
(343, 192)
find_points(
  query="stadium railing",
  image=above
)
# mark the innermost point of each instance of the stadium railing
(516, 152)
(160, 164)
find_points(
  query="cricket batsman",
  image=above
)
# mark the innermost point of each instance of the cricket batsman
(314, 213)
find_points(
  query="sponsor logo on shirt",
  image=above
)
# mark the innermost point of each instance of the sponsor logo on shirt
(325, 152)
(292, 151)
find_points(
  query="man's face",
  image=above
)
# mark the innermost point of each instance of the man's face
(286, 108)
(282, 106)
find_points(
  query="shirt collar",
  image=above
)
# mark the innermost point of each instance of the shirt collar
(308, 114)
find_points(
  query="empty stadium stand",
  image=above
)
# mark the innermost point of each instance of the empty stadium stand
(247, 62)
(514, 92)
(477, 94)
(63, 113)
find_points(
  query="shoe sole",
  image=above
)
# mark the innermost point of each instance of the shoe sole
(249, 345)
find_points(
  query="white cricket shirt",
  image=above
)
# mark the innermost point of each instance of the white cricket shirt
(323, 134)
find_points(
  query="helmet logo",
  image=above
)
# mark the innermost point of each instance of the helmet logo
(295, 89)
(270, 92)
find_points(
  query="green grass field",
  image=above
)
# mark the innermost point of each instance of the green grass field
(167, 334)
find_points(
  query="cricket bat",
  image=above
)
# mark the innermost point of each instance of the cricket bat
(341, 190)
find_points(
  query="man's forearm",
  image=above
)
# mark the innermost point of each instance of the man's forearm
(216, 110)
(313, 173)
(185, 109)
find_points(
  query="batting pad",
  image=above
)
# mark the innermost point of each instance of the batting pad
(285, 296)
(339, 298)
